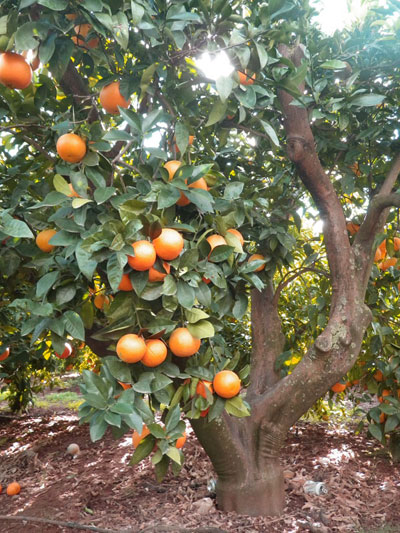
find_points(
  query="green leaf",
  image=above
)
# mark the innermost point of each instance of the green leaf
(74, 325)
(143, 450)
(240, 307)
(87, 314)
(269, 130)
(55, 5)
(376, 431)
(113, 419)
(334, 64)
(236, 407)
(217, 113)
(167, 196)
(98, 427)
(45, 283)
(233, 190)
(15, 228)
(157, 431)
(194, 315)
(79, 202)
(122, 408)
(182, 137)
(102, 194)
(121, 29)
(160, 382)
(86, 264)
(262, 55)
(202, 329)
(131, 209)
(118, 369)
(216, 409)
(391, 423)
(161, 468)
(137, 12)
(115, 268)
(189, 259)
(173, 418)
(173, 453)
(366, 100)
(224, 86)
(143, 385)
(221, 253)
(185, 294)
(61, 185)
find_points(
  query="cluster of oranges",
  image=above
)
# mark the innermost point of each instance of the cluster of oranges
(383, 263)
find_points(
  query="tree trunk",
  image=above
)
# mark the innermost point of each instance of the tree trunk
(245, 457)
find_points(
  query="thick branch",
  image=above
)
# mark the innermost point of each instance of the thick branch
(72, 84)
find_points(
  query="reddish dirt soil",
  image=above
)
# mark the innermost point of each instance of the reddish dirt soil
(99, 488)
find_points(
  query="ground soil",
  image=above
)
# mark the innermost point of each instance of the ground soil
(99, 488)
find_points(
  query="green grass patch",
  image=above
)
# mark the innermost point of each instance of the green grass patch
(68, 399)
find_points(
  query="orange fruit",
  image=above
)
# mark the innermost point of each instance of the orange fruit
(131, 348)
(5, 354)
(111, 98)
(71, 16)
(207, 280)
(13, 489)
(156, 275)
(198, 184)
(388, 263)
(237, 234)
(226, 384)
(169, 244)
(125, 386)
(137, 438)
(42, 240)
(382, 418)
(380, 252)
(352, 228)
(145, 256)
(172, 166)
(385, 392)
(190, 142)
(396, 244)
(215, 240)
(100, 300)
(245, 79)
(378, 376)
(73, 193)
(71, 148)
(125, 284)
(338, 387)
(202, 386)
(156, 353)
(256, 257)
(83, 30)
(204, 413)
(15, 72)
(181, 441)
(66, 353)
(182, 343)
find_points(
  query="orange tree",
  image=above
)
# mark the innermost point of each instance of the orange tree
(145, 169)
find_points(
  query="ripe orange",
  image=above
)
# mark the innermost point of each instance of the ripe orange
(204, 413)
(256, 257)
(66, 353)
(182, 343)
(111, 98)
(172, 166)
(137, 438)
(82, 30)
(226, 384)
(71, 16)
(13, 489)
(214, 241)
(131, 348)
(73, 194)
(382, 418)
(202, 386)
(15, 72)
(190, 142)
(42, 240)
(380, 252)
(1, 489)
(198, 184)
(378, 376)
(352, 228)
(145, 256)
(101, 300)
(245, 79)
(5, 354)
(338, 387)
(71, 148)
(156, 353)
(396, 244)
(388, 263)
(156, 275)
(385, 392)
(237, 234)
(181, 441)
(207, 280)
(169, 244)
(125, 283)
(125, 386)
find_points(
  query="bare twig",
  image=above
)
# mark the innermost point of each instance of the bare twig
(74, 525)
(301, 271)
(36, 145)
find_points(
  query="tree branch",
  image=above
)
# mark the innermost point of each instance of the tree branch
(72, 84)
(74, 525)
(36, 145)
(287, 281)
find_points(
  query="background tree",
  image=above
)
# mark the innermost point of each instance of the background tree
(329, 104)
